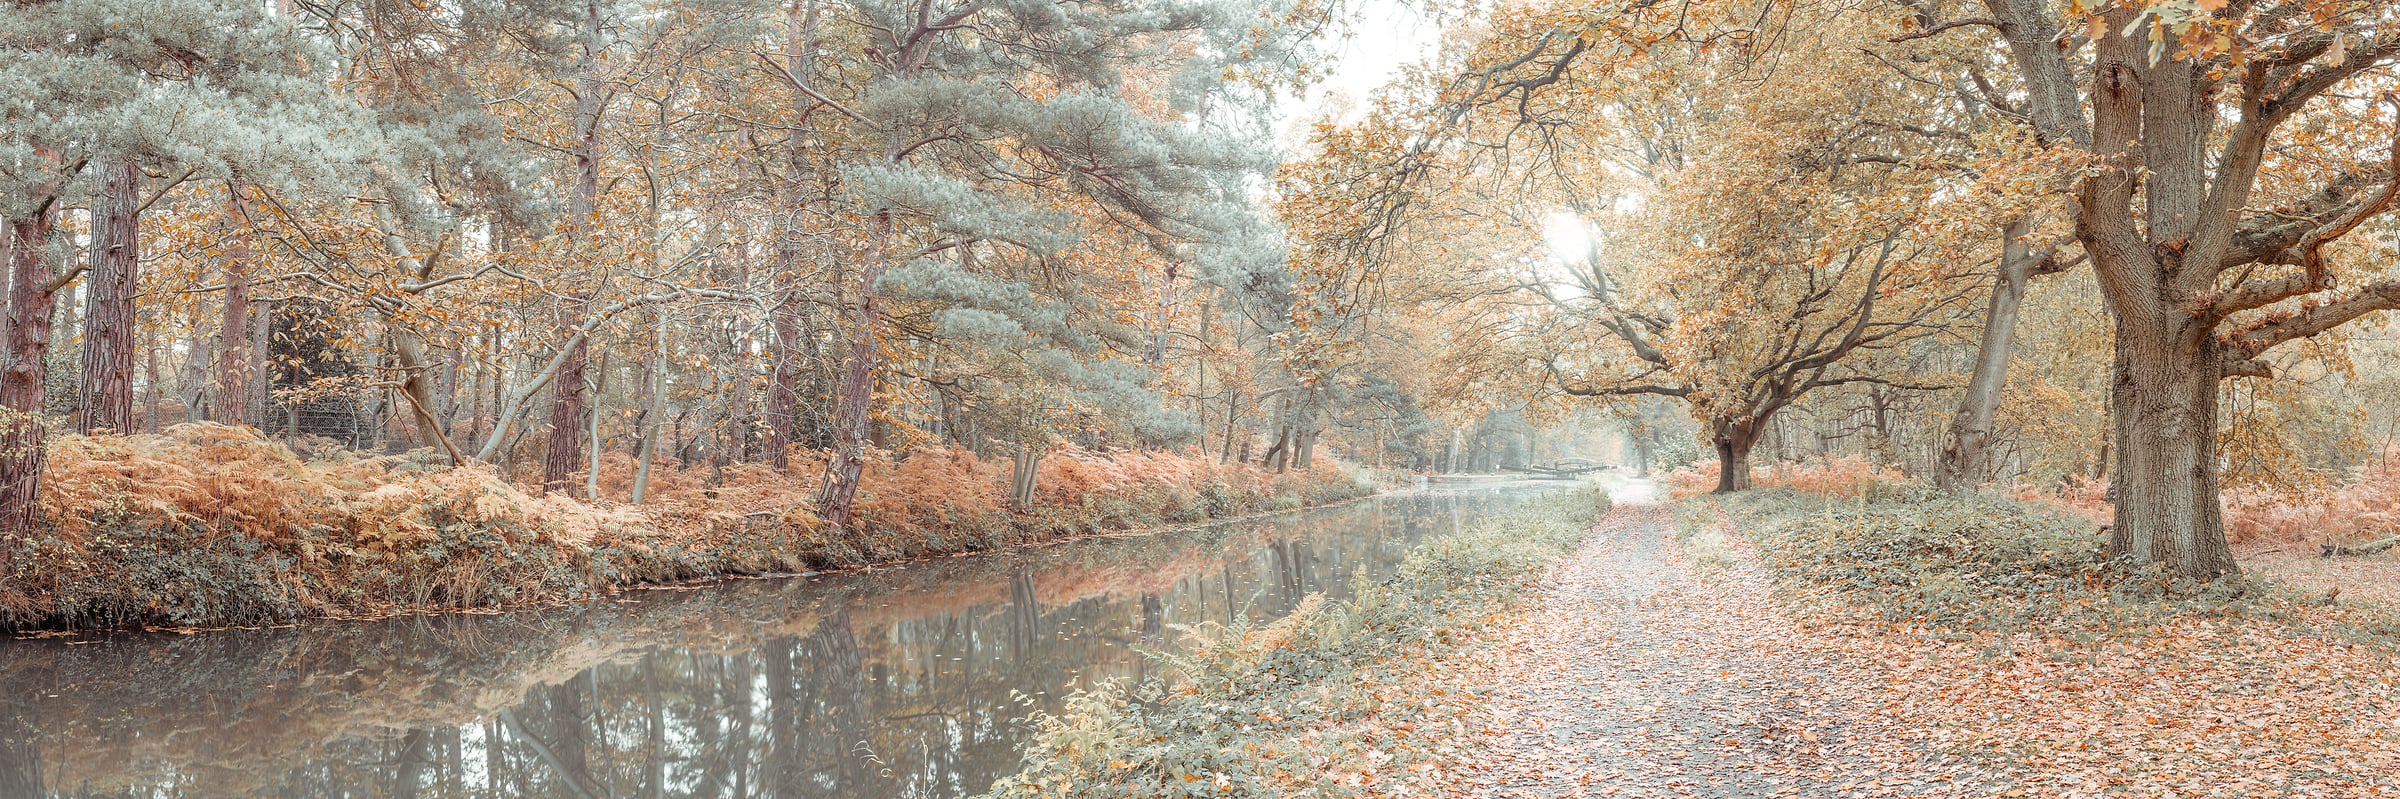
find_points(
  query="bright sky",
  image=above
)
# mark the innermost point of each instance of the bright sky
(1386, 36)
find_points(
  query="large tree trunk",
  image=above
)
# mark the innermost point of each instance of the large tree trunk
(1733, 440)
(408, 346)
(233, 335)
(28, 339)
(2165, 427)
(110, 297)
(1965, 459)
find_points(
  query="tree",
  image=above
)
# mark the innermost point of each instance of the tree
(2214, 224)
(199, 87)
(1741, 228)
(114, 276)
(962, 123)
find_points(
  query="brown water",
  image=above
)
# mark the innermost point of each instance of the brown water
(903, 682)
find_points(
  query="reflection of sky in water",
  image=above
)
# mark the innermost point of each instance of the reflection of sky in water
(899, 682)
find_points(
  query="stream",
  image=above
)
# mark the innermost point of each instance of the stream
(905, 681)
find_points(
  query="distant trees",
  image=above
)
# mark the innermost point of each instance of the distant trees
(1739, 233)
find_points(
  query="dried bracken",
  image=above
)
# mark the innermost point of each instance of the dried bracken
(210, 525)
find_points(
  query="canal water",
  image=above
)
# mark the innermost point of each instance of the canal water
(910, 681)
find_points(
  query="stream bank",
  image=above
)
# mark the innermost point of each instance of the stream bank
(893, 682)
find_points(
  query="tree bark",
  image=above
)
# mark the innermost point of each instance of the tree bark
(591, 476)
(1734, 440)
(110, 296)
(233, 336)
(783, 383)
(193, 378)
(856, 400)
(152, 388)
(28, 339)
(1965, 461)
(1024, 471)
(568, 406)
(2165, 428)
(417, 391)
(646, 418)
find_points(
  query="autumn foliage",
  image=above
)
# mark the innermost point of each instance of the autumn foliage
(208, 524)
(1850, 476)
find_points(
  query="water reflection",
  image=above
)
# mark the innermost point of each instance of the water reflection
(904, 682)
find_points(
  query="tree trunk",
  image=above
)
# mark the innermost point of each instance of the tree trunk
(110, 296)
(193, 378)
(256, 393)
(1024, 471)
(28, 338)
(1966, 452)
(1233, 412)
(1733, 441)
(567, 407)
(857, 398)
(783, 378)
(783, 383)
(2165, 427)
(152, 389)
(591, 431)
(233, 336)
(416, 390)
(446, 390)
(646, 419)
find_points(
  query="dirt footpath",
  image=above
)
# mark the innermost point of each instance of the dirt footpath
(1642, 675)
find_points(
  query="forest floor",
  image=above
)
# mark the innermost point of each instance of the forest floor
(1648, 672)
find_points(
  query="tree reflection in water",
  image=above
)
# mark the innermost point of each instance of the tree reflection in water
(902, 682)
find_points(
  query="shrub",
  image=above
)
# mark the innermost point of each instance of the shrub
(1331, 697)
(1839, 475)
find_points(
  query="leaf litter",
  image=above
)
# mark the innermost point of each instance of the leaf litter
(1647, 671)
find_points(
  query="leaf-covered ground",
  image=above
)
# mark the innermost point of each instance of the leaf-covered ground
(1648, 672)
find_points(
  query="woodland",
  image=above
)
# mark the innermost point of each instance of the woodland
(1955, 329)
(343, 280)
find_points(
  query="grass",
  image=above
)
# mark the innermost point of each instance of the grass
(1333, 700)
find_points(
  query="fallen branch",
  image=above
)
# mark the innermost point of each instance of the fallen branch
(2369, 548)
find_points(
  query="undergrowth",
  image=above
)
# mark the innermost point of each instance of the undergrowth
(208, 525)
(1979, 564)
(1333, 698)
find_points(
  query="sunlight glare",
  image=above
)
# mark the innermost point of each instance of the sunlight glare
(1569, 237)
